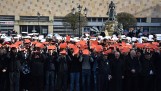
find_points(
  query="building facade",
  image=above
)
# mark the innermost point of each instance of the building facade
(22, 15)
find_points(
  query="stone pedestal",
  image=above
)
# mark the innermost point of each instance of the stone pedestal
(110, 27)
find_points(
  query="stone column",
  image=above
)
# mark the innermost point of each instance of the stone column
(16, 24)
(50, 26)
(148, 20)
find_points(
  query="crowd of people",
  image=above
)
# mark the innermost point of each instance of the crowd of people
(84, 65)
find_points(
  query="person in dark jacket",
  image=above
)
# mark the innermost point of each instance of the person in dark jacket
(157, 62)
(62, 71)
(14, 69)
(94, 70)
(148, 72)
(3, 70)
(133, 68)
(117, 72)
(104, 73)
(37, 70)
(50, 67)
(25, 70)
(86, 71)
(75, 69)
(139, 58)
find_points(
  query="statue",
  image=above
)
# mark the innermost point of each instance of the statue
(111, 25)
(111, 12)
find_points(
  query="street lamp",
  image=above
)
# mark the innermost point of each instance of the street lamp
(38, 16)
(79, 11)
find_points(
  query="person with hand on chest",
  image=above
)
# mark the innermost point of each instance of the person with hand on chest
(63, 70)
(50, 68)
(104, 72)
(133, 68)
(14, 68)
(75, 69)
(117, 72)
(37, 69)
(148, 72)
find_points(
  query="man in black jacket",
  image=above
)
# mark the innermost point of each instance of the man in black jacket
(37, 70)
(14, 69)
(133, 68)
(75, 69)
(148, 72)
(3, 70)
(62, 72)
(50, 67)
(117, 72)
(104, 73)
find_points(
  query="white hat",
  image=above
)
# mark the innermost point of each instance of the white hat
(134, 39)
(150, 40)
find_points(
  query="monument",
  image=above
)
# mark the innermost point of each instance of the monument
(111, 25)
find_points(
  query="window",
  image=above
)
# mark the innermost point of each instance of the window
(94, 19)
(34, 18)
(156, 20)
(138, 19)
(105, 19)
(7, 18)
(143, 19)
(99, 19)
(89, 19)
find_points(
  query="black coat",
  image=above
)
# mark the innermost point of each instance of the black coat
(50, 62)
(103, 66)
(37, 65)
(117, 72)
(117, 68)
(3, 62)
(63, 64)
(75, 64)
(13, 62)
(132, 64)
(147, 66)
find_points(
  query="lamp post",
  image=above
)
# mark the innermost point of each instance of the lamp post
(38, 16)
(79, 11)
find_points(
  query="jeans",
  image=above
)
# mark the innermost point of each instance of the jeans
(74, 79)
(95, 81)
(62, 78)
(86, 73)
(49, 81)
(14, 78)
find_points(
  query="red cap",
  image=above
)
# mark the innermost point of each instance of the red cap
(63, 45)
(52, 47)
(27, 41)
(86, 52)
(63, 52)
(39, 45)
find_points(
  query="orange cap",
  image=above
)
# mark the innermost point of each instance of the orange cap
(155, 43)
(39, 45)
(107, 52)
(71, 46)
(86, 52)
(18, 42)
(63, 52)
(13, 46)
(63, 45)
(98, 48)
(67, 38)
(125, 50)
(34, 42)
(27, 41)
(52, 47)
(45, 43)
(76, 50)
